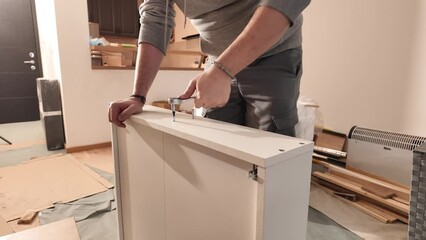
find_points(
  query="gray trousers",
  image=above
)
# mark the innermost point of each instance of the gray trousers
(265, 94)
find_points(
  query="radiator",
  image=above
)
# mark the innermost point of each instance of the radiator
(382, 153)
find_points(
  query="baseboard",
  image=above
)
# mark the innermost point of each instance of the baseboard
(87, 147)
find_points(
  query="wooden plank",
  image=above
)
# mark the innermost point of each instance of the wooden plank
(114, 49)
(365, 180)
(401, 200)
(381, 217)
(403, 209)
(368, 211)
(378, 177)
(27, 217)
(384, 212)
(378, 190)
(330, 139)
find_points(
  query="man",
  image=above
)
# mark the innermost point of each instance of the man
(253, 70)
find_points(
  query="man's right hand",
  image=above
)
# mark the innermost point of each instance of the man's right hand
(120, 111)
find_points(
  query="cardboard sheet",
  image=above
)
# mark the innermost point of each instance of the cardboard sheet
(5, 229)
(39, 183)
(98, 158)
(353, 219)
(64, 230)
(6, 147)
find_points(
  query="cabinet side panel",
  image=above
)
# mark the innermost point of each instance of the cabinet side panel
(287, 198)
(209, 195)
(141, 189)
(260, 213)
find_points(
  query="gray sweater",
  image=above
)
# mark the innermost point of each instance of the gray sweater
(219, 22)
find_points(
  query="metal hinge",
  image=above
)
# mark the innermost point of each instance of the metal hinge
(253, 173)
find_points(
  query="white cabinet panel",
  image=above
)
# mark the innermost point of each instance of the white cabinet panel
(209, 195)
(140, 182)
(189, 180)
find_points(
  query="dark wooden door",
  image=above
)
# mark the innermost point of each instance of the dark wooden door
(115, 17)
(128, 24)
(19, 62)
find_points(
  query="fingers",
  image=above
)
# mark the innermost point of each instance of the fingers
(199, 102)
(120, 111)
(189, 90)
(113, 112)
(127, 112)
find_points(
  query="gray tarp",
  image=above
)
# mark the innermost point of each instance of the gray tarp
(95, 216)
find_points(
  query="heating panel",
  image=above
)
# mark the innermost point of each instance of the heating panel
(383, 153)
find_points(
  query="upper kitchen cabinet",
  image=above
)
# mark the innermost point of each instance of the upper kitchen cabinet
(115, 17)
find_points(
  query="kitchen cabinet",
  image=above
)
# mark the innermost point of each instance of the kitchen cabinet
(115, 17)
(205, 179)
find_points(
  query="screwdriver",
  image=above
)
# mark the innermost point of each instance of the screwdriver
(173, 101)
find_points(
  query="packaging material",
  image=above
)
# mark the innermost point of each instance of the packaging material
(5, 229)
(307, 110)
(117, 59)
(93, 30)
(96, 58)
(38, 183)
(49, 95)
(99, 42)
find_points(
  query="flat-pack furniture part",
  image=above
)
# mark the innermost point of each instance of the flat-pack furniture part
(205, 179)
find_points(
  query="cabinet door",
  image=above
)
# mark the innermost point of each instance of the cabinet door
(140, 182)
(128, 24)
(106, 15)
(208, 194)
(115, 17)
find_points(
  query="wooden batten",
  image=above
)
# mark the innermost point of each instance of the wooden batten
(363, 204)
(387, 203)
(376, 186)
(378, 177)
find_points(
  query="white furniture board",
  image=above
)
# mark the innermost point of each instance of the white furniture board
(195, 189)
(255, 146)
(64, 230)
(189, 180)
(140, 170)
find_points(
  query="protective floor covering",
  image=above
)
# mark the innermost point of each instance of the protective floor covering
(354, 220)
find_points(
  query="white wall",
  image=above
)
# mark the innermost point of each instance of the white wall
(86, 93)
(364, 62)
(48, 39)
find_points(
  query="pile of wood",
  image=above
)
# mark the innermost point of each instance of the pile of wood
(385, 201)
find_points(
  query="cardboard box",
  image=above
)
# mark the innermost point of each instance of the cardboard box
(93, 30)
(117, 59)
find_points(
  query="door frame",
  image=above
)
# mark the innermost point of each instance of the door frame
(36, 37)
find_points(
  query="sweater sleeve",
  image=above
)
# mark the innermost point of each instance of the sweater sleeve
(290, 8)
(153, 23)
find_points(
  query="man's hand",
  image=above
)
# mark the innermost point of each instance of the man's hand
(120, 111)
(213, 88)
